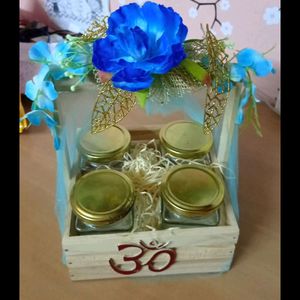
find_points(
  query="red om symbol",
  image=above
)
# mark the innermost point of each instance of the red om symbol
(154, 245)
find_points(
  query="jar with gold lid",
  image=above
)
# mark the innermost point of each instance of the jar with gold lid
(191, 195)
(102, 201)
(105, 147)
(185, 139)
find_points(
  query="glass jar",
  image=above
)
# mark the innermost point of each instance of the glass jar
(102, 201)
(107, 146)
(185, 139)
(191, 196)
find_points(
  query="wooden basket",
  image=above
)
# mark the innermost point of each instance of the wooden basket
(200, 250)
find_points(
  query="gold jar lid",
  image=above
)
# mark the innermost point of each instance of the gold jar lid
(192, 190)
(102, 197)
(185, 139)
(108, 144)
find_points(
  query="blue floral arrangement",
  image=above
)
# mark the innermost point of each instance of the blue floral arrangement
(140, 54)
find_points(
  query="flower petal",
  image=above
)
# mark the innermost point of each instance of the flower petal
(132, 79)
(149, 38)
(58, 73)
(172, 19)
(130, 14)
(45, 103)
(49, 90)
(40, 52)
(237, 73)
(60, 52)
(35, 117)
(247, 56)
(40, 77)
(81, 58)
(262, 67)
(155, 19)
(49, 120)
(105, 52)
(31, 90)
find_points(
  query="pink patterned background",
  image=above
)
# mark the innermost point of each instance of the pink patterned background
(246, 23)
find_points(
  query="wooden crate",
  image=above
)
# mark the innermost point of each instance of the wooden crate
(201, 250)
(198, 250)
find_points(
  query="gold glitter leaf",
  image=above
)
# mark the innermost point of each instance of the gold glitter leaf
(217, 93)
(112, 106)
(95, 31)
(174, 84)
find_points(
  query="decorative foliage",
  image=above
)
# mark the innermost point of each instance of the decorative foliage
(140, 54)
(112, 105)
(95, 31)
(176, 83)
(217, 94)
(210, 53)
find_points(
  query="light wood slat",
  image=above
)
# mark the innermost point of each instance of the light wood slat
(183, 254)
(207, 266)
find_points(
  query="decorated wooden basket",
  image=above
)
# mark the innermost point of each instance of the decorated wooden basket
(166, 201)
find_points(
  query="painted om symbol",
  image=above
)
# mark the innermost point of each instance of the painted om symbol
(143, 247)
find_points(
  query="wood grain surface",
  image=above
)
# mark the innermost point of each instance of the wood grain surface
(255, 274)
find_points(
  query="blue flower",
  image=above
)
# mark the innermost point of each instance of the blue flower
(63, 59)
(140, 41)
(41, 92)
(35, 117)
(250, 59)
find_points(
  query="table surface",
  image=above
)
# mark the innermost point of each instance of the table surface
(255, 272)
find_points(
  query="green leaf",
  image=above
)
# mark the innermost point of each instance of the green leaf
(141, 97)
(196, 70)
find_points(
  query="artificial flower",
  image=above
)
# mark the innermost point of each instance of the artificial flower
(142, 41)
(35, 117)
(64, 59)
(41, 92)
(250, 59)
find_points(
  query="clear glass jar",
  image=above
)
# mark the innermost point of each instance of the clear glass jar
(191, 196)
(124, 224)
(172, 218)
(185, 139)
(102, 201)
(103, 149)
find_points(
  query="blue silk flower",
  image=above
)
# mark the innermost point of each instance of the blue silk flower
(250, 59)
(140, 42)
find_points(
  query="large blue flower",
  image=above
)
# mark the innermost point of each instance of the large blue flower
(140, 41)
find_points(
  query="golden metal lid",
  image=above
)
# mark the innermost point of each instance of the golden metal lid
(102, 197)
(192, 190)
(108, 144)
(185, 139)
